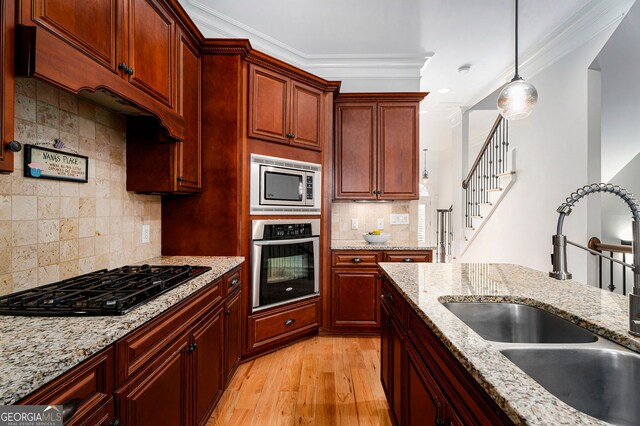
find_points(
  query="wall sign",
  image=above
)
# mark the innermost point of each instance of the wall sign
(45, 163)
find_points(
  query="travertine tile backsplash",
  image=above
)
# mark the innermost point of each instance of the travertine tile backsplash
(367, 215)
(52, 230)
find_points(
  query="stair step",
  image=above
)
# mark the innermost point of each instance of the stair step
(477, 216)
(485, 204)
(494, 189)
(469, 229)
(509, 173)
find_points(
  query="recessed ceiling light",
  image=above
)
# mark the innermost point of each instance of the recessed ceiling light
(464, 69)
(444, 90)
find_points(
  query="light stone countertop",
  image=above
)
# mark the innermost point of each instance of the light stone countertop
(426, 285)
(389, 245)
(35, 350)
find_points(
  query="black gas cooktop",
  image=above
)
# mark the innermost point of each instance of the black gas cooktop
(104, 292)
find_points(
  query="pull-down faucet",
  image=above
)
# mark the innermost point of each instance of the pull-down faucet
(559, 256)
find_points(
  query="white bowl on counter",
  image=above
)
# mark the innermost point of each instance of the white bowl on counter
(376, 239)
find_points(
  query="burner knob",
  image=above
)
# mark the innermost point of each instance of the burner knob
(145, 267)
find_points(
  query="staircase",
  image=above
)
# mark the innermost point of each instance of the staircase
(488, 181)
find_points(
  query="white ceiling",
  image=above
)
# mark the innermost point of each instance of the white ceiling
(394, 38)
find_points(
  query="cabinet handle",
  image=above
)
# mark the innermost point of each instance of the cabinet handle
(387, 323)
(69, 408)
(289, 322)
(233, 282)
(123, 67)
(14, 146)
(379, 276)
(227, 312)
(180, 178)
(130, 71)
(440, 422)
(192, 347)
(390, 297)
(407, 259)
(115, 422)
(356, 260)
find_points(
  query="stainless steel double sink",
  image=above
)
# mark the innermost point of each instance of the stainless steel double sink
(589, 373)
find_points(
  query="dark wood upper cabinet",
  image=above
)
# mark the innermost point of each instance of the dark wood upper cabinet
(176, 165)
(268, 105)
(398, 160)
(306, 116)
(125, 47)
(189, 151)
(356, 156)
(91, 26)
(151, 49)
(284, 110)
(376, 146)
(7, 13)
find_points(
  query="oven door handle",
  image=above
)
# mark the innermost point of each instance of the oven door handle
(280, 242)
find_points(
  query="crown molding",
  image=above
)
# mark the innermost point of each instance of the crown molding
(594, 18)
(393, 66)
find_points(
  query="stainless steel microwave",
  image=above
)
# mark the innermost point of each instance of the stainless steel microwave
(281, 186)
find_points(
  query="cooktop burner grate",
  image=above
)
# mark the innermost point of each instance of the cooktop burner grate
(103, 292)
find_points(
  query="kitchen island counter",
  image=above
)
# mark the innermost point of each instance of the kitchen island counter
(426, 286)
(35, 350)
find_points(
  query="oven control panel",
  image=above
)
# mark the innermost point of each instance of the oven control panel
(287, 231)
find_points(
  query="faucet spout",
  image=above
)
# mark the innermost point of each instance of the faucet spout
(559, 256)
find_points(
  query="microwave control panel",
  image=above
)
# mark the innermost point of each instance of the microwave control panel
(309, 187)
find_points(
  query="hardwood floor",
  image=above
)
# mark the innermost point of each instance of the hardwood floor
(325, 380)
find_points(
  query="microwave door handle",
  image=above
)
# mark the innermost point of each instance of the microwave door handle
(280, 242)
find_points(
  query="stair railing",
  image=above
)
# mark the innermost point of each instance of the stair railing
(444, 231)
(614, 249)
(485, 173)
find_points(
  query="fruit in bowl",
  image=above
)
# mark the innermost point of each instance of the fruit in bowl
(376, 237)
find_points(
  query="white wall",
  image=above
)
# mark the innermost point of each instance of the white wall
(552, 147)
(619, 62)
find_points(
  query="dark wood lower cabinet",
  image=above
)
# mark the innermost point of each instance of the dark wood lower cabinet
(423, 382)
(158, 395)
(170, 371)
(356, 293)
(208, 370)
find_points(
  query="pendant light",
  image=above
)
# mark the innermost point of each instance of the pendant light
(424, 187)
(517, 99)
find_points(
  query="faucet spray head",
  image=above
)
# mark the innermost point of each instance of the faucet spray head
(559, 258)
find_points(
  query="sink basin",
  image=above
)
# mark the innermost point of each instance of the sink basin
(600, 382)
(516, 323)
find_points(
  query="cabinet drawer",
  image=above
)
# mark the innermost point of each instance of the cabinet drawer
(408, 256)
(91, 383)
(356, 258)
(394, 299)
(232, 281)
(136, 349)
(266, 328)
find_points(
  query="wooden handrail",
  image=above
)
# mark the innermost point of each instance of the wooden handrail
(595, 244)
(465, 182)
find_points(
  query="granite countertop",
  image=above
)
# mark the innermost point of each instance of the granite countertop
(35, 350)
(389, 245)
(426, 285)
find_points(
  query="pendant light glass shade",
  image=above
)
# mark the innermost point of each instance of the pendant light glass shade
(517, 99)
(424, 182)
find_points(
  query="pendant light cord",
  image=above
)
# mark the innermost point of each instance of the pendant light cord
(516, 76)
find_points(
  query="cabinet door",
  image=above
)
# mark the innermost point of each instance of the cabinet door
(397, 375)
(233, 335)
(208, 365)
(160, 393)
(7, 13)
(356, 299)
(386, 352)
(355, 155)
(425, 403)
(151, 49)
(306, 116)
(268, 105)
(91, 26)
(188, 152)
(398, 151)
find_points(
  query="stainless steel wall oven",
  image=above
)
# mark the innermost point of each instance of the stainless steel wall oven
(285, 261)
